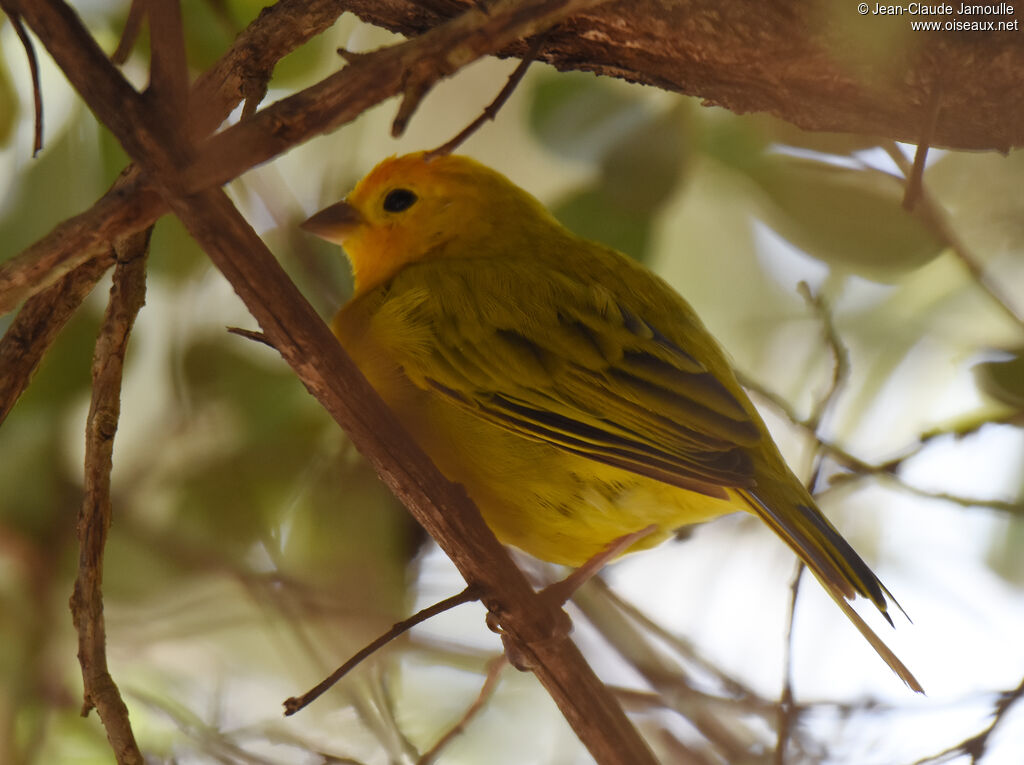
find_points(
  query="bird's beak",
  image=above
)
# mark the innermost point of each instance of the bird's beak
(334, 223)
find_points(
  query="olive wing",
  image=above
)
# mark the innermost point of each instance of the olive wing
(573, 365)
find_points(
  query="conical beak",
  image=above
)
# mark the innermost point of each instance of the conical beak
(334, 223)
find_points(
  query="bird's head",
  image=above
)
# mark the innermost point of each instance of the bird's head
(412, 207)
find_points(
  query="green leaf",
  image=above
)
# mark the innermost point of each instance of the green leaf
(593, 214)
(173, 251)
(581, 116)
(641, 170)
(39, 493)
(1005, 556)
(267, 434)
(61, 181)
(1003, 380)
(849, 218)
(781, 132)
(738, 143)
(8, 105)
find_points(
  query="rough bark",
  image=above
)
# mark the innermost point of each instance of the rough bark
(820, 65)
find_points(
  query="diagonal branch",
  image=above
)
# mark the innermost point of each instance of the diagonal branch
(291, 325)
(297, 703)
(132, 204)
(409, 68)
(36, 327)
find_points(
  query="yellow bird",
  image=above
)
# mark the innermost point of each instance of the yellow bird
(575, 395)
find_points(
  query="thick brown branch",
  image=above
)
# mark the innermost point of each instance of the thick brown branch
(294, 328)
(441, 507)
(820, 66)
(131, 204)
(409, 68)
(168, 69)
(783, 59)
(100, 691)
(127, 207)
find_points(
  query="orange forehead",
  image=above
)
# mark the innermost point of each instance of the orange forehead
(412, 170)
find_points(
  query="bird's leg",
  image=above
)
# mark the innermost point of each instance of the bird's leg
(555, 595)
(559, 592)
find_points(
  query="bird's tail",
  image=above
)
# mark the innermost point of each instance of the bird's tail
(835, 564)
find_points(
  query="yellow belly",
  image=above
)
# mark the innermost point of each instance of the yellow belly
(557, 506)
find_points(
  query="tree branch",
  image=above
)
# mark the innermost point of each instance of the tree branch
(100, 691)
(409, 68)
(811, 71)
(131, 204)
(292, 326)
(168, 67)
(818, 66)
(37, 325)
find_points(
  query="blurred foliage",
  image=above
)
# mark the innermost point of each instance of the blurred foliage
(49, 191)
(821, 208)
(1004, 379)
(253, 550)
(8, 106)
(640, 154)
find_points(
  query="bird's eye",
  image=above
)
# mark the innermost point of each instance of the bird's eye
(398, 200)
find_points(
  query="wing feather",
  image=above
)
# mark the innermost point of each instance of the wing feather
(575, 366)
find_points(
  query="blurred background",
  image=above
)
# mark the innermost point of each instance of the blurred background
(252, 550)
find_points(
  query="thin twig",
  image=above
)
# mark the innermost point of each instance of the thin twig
(491, 110)
(559, 592)
(787, 707)
(296, 703)
(100, 691)
(840, 373)
(132, 27)
(976, 745)
(889, 470)
(250, 334)
(840, 356)
(409, 68)
(33, 65)
(494, 668)
(915, 180)
(1014, 507)
(786, 409)
(629, 633)
(684, 648)
(936, 218)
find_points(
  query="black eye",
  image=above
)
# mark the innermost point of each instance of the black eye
(398, 200)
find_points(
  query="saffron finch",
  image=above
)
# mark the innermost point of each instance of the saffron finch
(575, 395)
